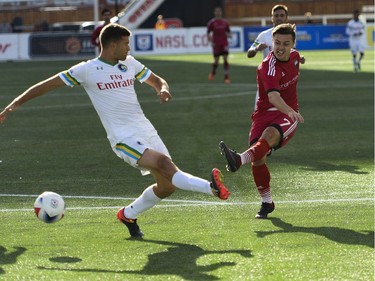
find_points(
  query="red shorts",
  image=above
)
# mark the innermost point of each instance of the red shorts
(263, 119)
(219, 50)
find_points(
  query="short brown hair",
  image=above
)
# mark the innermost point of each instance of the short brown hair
(113, 32)
(280, 7)
(285, 28)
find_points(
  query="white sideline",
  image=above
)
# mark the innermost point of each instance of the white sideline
(179, 203)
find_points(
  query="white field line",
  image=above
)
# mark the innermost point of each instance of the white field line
(250, 91)
(186, 98)
(180, 203)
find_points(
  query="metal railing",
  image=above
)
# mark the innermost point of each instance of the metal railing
(317, 19)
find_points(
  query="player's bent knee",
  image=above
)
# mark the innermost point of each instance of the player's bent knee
(273, 135)
(166, 167)
(164, 188)
(158, 162)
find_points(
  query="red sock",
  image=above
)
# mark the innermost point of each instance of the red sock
(226, 70)
(255, 152)
(262, 180)
(214, 66)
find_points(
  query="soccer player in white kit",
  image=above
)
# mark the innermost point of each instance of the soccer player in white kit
(263, 42)
(109, 82)
(355, 29)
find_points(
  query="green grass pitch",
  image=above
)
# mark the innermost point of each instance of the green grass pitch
(322, 181)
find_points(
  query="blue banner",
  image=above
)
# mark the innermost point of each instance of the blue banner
(309, 37)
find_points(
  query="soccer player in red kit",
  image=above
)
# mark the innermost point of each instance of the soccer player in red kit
(276, 116)
(218, 32)
(106, 14)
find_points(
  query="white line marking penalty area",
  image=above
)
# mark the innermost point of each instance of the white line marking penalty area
(168, 203)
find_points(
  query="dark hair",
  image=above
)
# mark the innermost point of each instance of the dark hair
(105, 11)
(113, 32)
(280, 7)
(285, 28)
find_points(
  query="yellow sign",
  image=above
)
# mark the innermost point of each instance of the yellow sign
(370, 32)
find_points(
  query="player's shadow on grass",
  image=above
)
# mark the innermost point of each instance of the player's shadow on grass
(321, 166)
(181, 260)
(336, 234)
(9, 257)
(308, 164)
(178, 259)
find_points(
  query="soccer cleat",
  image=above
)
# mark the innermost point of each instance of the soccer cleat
(265, 209)
(131, 224)
(233, 158)
(211, 77)
(226, 81)
(217, 185)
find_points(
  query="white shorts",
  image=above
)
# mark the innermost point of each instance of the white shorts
(356, 46)
(131, 149)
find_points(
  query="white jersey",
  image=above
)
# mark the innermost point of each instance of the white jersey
(265, 37)
(111, 90)
(356, 30)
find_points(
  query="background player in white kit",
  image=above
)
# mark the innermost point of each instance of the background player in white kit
(263, 43)
(109, 82)
(355, 29)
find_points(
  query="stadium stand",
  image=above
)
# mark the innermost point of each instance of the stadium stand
(239, 12)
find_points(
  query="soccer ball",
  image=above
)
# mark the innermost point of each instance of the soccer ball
(49, 207)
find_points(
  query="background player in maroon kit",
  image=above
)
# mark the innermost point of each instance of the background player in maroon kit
(218, 32)
(276, 116)
(106, 14)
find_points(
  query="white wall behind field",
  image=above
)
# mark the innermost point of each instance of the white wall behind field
(143, 42)
(22, 46)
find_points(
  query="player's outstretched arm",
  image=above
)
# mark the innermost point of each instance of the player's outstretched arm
(32, 92)
(255, 48)
(161, 87)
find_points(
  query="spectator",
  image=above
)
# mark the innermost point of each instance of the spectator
(308, 19)
(5, 27)
(41, 26)
(44, 26)
(160, 23)
(17, 24)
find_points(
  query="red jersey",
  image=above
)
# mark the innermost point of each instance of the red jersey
(219, 29)
(280, 76)
(95, 35)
